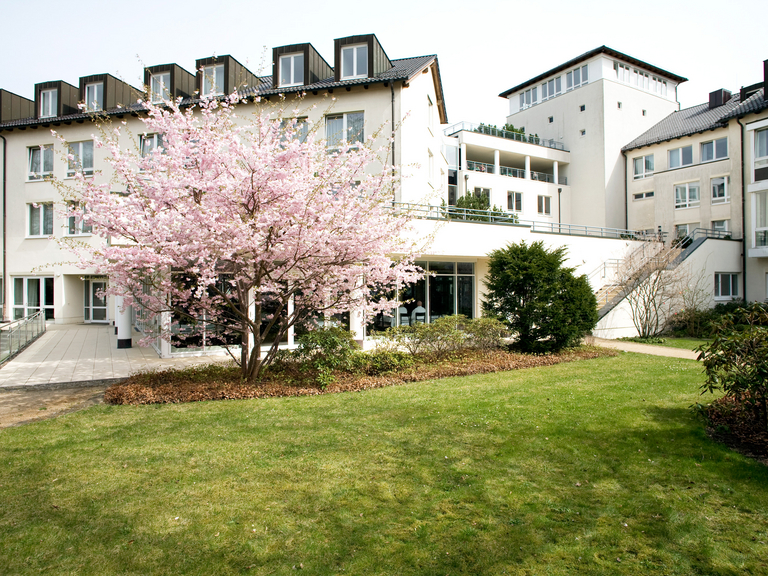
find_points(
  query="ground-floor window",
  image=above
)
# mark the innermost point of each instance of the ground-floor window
(447, 289)
(726, 285)
(31, 295)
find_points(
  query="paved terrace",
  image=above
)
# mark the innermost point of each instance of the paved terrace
(83, 355)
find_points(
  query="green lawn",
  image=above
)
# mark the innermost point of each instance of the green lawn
(592, 467)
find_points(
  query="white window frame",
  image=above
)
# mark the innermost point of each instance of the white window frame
(682, 230)
(713, 144)
(210, 86)
(759, 162)
(49, 103)
(686, 200)
(356, 52)
(544, 205)
(717, 228)
(36, 214)
(94, 97)
(517, 201)
(160, 87)
(643, 195)
(77, 149)
(431, 165)
(760, 204)
(46, 153)
(289, 60)
(25, 307)
(644, 162)
(75, 224)
(155, 142)
(430, 115)
(726, 190)
(729, 280)
(344, 130)
(677, 154)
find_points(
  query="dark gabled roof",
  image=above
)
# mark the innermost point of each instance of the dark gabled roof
(755, 103)
(404, 69)
(587, 56)
(681, 123)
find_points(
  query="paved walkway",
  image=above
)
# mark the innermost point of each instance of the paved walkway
(82, 355)
(643, 348)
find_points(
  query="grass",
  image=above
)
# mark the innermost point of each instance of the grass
(591, 467)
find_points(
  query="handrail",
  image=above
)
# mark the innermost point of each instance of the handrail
(14, 336)
(596, 231)
(500, 133)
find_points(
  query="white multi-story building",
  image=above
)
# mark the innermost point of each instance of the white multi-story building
(594, 104)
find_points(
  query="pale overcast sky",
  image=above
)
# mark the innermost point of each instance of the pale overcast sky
(483, 46)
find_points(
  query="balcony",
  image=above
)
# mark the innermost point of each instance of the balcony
(499, 133)
(515, 172)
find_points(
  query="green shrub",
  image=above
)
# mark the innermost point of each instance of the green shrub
(380, 362)
(736, 361)
(324, 351)
(485, 333)
(444, 335)
(546, 307)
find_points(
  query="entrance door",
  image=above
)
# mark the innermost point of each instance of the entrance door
(95, 306)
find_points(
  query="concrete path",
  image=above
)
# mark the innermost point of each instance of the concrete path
(75, 355)
(643, 348)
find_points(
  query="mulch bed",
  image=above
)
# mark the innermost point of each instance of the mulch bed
(172, 386)
(733, 423)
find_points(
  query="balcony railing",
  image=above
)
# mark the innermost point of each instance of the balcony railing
(499, 133)
(593, 231)
(515, 172)
(17, 334)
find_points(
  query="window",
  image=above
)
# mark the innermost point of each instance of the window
(643, 166)
(94, 97)
(150, 142)
(576, 78)
(618, 105)
(82, 158)
(720, 225)
(48, 103)
(354, 62)
(430, 115)
(726, 285)
(75, 224)
(160, 87)
(719, 188)
(714, 150)
(40, 162)
(687, 195)
(644, 112)
(681, 230)
(515, 201)
(292, 69)
(582, 108)
(431, 163)
(213, 80)
(551, 119)
(297, 128)
(40, 219)
(344, 127)
(681, 157)
(643, 195)
(483, 193)
(582, 132)
(30, 295)
(760, 204)
(761, 155)
(446, 289)
(544, 205)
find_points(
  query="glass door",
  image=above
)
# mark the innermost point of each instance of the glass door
(32, 294)
(95, 303)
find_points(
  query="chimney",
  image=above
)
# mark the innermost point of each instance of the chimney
(718, 98)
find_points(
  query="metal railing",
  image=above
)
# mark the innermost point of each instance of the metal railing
(514, 172)
(429, 212)
(593, 231)
(17, 334)
(480, 167)
(499, 133)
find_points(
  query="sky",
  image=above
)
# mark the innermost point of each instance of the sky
(484, 47)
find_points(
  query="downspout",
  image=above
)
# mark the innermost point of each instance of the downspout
(5, 233)
(743, 211)
(392, 90)
(626, 192)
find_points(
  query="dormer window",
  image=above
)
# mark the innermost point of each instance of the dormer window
(94, 97)
(48, 103)
(292, 69)
(213, 80)
(160, 87)
(354, 62)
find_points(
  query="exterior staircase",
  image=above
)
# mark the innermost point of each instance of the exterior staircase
(617, 278)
